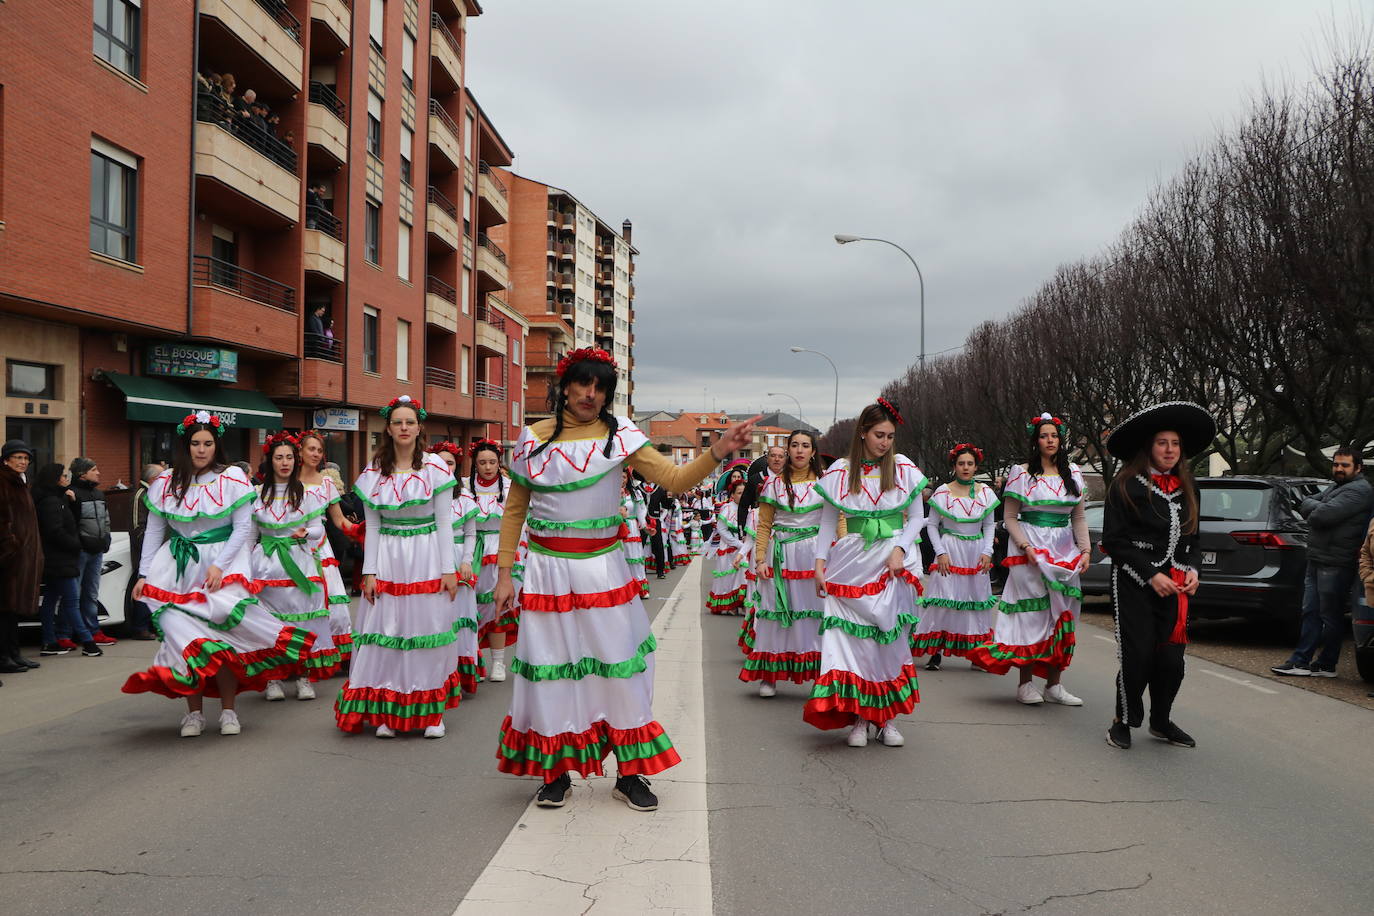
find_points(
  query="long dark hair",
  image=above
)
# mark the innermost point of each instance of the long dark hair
(295, 490)
(48, 477)
(1034, 463)
(384, 458)
(183, 470)
(500, 478)
(814, 465)
(750, 499)
(871, 416)
(1140, 465)
(583, 371)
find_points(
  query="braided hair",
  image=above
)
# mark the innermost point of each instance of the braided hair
(603, 376)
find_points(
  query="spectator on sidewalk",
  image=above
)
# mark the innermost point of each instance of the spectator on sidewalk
(93, 528)
(1337, 520)
(21, 553)
(139, 615)
(62, 558)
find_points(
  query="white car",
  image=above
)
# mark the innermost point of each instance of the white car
(114, 582)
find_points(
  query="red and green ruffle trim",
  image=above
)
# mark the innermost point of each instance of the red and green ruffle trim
(205, 657)
(729, 601)
(641, 751)
(839, 696)
(1053, 652)
(797, 667)
(559, 604)
(943, 642)
(508, 623)
(365, 707)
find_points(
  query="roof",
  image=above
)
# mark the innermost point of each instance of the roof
(674, 441)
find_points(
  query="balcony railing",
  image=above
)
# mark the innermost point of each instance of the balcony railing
(440, 378)
(278, 10)
(322, 346)
(437, 22)
(438, 111)
(489, 315)
(441, 289)
(321, 94)
(317, 216)
(230, 276)
(436, 197)
(488, 390)
(484, 169)
(491, 246)
(543, 359)
(215, 109)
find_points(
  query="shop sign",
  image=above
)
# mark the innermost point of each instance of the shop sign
(190, 361)
(342, 418)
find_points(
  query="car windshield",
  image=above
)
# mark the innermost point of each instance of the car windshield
(1234, 504)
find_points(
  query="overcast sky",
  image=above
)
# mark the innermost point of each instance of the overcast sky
(992, 140)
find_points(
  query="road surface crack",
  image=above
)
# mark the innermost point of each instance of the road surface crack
(1075, 852)
(1092, 893)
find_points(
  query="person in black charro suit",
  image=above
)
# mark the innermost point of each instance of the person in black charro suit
(1150, 531)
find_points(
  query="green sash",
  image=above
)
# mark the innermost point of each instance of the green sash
(280, 547)
(1044, 519)
(408, 527)
(875, 525)
(184, 546)
(787, 536)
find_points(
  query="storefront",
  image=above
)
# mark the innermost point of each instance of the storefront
(339, 426)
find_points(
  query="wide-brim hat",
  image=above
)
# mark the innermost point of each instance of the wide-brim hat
(1195, 427)
(741, 464)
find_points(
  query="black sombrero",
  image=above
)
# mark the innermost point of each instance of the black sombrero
(1195, 427)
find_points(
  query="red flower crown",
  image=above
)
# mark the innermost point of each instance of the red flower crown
(204, 418)
(1036, 422)
(485, 443)
(404, 400)
(595, 354)
(277, 439)
(453, 448)
(966, 446)
(891, 410)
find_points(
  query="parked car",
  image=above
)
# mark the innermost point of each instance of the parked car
(114, 581)
(1097, 578)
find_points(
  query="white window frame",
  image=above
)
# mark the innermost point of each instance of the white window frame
(403, 251)
(408, 58)
(402, 350)
(376, 26)
(467, 294)
(464, 369)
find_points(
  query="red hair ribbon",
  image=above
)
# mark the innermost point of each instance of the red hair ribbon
(891, 409)
(966, 446)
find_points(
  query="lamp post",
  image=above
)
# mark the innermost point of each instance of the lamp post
(783, 394)
(835, 414)
(844, 239)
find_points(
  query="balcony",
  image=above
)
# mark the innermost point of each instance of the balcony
(490, 404)
(605, 302)
(441, 394)
(543, 362)
(322, 373)
(493, 271)
(441, 218)
(337, 17)
(605, 278)
(490, 330)
(493, 204)
(266, 29)
(447, 55)
(243, 308)
(444, 135)
(441, 378)
(326, 123)
(441, 304)
(324, 250)
(567, 251)
(238, 157)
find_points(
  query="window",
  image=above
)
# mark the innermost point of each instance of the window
(407, 149)
(465, 357)
(374, 124)
(515, 352)
(376, 23)
(116, 33)
(515, 413)
(471, 125)
(372, 232)
(402, 350)
(408, 60)
(467, 213)
(114, 195)
(30, 380)
(467, 284)
(372, 324)
(403, 252)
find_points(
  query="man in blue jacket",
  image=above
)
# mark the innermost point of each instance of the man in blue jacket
(1337, 520)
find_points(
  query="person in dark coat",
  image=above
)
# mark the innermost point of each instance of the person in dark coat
(1150, 531)
(21, 553)
(93, 528)
(57, 526)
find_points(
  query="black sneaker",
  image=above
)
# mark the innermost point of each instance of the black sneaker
(91, 650)
(1119, 735)
(53, 648)
(554, 794)
(1171, 733)
(933, 664)
(634, 791)
(1289, 669)
(30, 663)
(1321, 670)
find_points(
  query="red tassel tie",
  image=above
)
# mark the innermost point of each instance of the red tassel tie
(1180, 634)
(1168, 483)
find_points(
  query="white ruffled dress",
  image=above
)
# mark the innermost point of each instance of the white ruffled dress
(957, 609)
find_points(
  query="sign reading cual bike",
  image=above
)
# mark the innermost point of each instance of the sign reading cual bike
(342, 418)
(179, 360)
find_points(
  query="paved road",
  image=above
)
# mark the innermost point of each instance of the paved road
(990, 808)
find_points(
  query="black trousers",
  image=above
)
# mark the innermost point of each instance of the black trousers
(663, 554)
(1144, 622)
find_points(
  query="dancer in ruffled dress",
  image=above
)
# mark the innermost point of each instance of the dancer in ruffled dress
(957, 608)
(867, 677)
(465, 512)
(731, 560)
(487, 483)
(195, 575)
(634, 510)
(336, 592)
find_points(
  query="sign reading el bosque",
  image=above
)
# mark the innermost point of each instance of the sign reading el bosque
(190, 361)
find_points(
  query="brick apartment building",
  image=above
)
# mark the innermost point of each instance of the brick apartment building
(157, 256)
(690, 432)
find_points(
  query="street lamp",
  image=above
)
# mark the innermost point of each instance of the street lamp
(835, 415)
(781, 394)
(842, 238)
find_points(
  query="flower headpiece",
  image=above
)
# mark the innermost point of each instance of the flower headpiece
(891, 410)
(1036, 422)
(279, 438)
(596, 354)
(404, 400)
(204, 418)
(453, 448)
(485, 443)
(966, 447)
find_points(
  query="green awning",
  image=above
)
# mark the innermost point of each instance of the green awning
(155, 400)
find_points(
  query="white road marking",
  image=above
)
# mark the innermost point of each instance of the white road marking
(1104, 638)
(1238, 680)
(596, 855)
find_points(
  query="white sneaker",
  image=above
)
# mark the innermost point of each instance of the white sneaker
(890, 737)
(858, 734)
(767, 690)
(498, 672)
(304, 689)
(385, 732)
(274, 691)
(434, 731)
(229, 723)
(192, 724)
(1057, 694)
(1029, 694)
